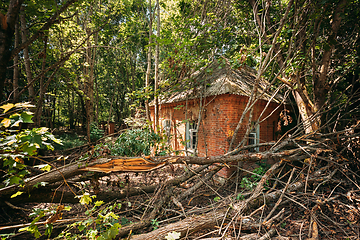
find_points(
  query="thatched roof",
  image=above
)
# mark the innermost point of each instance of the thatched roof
(218, 79)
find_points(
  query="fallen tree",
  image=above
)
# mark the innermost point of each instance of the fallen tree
(303, 167)
(114, 164)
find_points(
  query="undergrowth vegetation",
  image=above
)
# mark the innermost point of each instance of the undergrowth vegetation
(138, 142)
(133, 142)
(17, 145)
(70, 140)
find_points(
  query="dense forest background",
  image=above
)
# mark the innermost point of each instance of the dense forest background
(72, 66)
(83, 62)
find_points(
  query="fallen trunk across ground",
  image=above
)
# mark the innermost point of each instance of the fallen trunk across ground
(310, 189)
(114, 164)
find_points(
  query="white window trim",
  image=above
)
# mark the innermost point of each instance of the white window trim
(255, 134)
(189, 136)
(192, 143)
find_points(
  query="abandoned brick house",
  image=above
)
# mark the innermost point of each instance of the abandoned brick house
(223, 94)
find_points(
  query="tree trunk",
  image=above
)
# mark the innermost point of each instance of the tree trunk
(157, 52)
(24, 34)
(72, 124)
(321, 85)
(89, 85)
(78, 168)
(139, 164)
(7, 29)
(147, 79)
(43, 87)
(305, 113)
(92, 76)
(16, 63)
(188, 225)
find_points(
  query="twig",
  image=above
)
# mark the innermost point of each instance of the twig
(281, 196)
(246, 204)
(198, 184)
(302, 224)
(18, 208)
(147, 221)
(269, 234)
(327, 178)
(41, 223)
(302, 205)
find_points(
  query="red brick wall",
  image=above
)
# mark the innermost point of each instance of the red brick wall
(222, 114)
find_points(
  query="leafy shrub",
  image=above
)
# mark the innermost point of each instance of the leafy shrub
(250, 182)
(95, 132)
(137, 142)
(102, 223)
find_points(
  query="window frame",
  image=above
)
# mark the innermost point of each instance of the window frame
(191, 135)
(254, 136)
(166, 125)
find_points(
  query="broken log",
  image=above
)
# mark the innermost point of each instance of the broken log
(188, 225)
(46, 194)
(138, 164)
(106, 165)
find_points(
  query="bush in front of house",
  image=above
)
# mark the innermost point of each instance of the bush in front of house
(135, 142)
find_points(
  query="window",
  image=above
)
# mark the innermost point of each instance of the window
(191, 135)
(166, 124)
(254, 137)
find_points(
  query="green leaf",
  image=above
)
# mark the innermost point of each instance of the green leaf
(16, 194)
(5, 236)
(111, 214)
(49, 228)
(91, 234)
(24, 105)
(81, 227)
(23, 229)
(32, 229)
(14, 180)
(240, 197)
(37, 140)
(85, 199)
(114, 230)
(58, 141)
(99, 203)
(26, 117)
(67, 208)
(216, 199)
(31, 150)
(42, 130)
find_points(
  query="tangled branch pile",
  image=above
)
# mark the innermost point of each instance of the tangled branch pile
(310, 192)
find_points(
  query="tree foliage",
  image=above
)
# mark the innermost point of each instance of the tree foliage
(19, 145)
